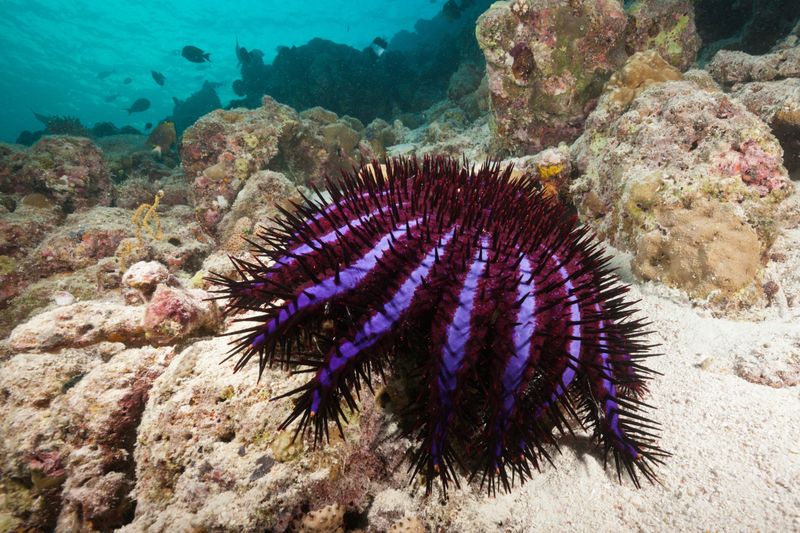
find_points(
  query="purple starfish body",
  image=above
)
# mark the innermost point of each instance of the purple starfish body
(503, 306)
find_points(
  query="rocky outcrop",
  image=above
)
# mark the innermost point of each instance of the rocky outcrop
(224, 148)
(547, 61)
(687, 180)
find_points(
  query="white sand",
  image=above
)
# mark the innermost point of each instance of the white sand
(735, 444)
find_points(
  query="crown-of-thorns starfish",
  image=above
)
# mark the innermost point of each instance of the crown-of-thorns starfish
(504, 309)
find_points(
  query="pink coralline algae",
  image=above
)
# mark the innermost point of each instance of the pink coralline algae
(49, 465)
(757, 168)
(173, 313)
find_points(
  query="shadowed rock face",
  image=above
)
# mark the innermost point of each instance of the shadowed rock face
(751, 26)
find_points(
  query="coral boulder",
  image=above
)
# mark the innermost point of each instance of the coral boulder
(547, 61)
(689, 181)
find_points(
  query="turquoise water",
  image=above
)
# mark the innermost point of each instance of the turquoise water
(53, 51)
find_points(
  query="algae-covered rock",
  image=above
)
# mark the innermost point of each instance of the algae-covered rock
(174, 313)
(778, 104)
(71, 170)
(547, 61)
(257, 202)
(665, 26)
(209, 453)
(69, 425)
(80, 324)
(640, 71)
(690, 182)
(223, 149)
(730, 66)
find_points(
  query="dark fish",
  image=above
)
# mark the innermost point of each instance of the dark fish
(450, 10)
(148, 125)
(110, 98)
(163, 137)
(241, 53)
(44, 119)
(103, 74)
(238, 87)
(127, 81)
(158, 77)
(195, 55)
(142, 104)
(379, 46)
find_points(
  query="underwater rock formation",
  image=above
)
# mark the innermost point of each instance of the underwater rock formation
(547, 61)
(174, 313)
(80, 324)
(778, 104)
(224, 148)
(82, 239)
(222, 464)
(69, 428)
(689, 181)
(70, 170)
(666, 26)
(411, 75)
(730, 67)
(249, 210)
(84, 253)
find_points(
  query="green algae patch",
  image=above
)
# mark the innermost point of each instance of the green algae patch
(669, 41)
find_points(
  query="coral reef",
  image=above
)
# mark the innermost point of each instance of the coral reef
(410, 76)
(689, 181)
(116, 414)
(223, 149)
(730, 67)
(547, 61)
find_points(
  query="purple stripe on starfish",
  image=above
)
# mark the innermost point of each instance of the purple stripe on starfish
(329, 287)
(455, 348)
(382, 321)
(573, 346)
(609, 401)
(331, 207)
(523, 336)
(305, 249)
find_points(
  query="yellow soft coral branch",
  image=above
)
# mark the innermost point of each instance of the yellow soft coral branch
(149, 211)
